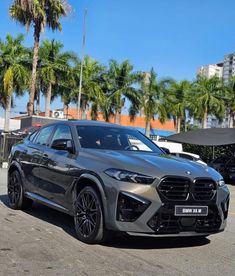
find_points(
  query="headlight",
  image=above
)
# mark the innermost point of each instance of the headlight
(221, 183)
(127, 176)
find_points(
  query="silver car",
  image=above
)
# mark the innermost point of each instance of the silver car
(112, 178)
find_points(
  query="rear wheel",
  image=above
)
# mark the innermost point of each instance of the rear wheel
(17, 200)
(89, 218)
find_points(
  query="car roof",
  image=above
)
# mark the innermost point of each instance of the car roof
(90, 123)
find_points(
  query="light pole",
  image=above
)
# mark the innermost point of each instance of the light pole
(82, 64)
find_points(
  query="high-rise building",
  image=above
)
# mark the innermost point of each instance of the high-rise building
(228, 67)
(211, 70)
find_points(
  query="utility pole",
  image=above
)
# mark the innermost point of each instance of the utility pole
(82, 64)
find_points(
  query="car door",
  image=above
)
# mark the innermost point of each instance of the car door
(31, 157)
(54, 171)
(35, 154)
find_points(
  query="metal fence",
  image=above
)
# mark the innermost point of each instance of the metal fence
(6, 143)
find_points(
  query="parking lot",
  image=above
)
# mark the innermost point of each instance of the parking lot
(42, 242)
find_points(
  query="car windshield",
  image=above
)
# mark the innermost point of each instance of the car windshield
(114, 138)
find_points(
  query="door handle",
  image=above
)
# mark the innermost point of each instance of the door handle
(45, 155)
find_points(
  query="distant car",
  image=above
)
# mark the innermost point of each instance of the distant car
(225, 165)
(189, 156)
(24, 132)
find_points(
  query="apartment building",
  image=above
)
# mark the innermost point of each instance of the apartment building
(228, 67)
(211, 70)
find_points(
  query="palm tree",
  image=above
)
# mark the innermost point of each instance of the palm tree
(152, 99)
(13, 72)
(91, 88)
(39, 14)
(67, 87)
(230, 99)
(206, 98)
(179, 91)
(54, 65)
(121, 79)
(104, 102)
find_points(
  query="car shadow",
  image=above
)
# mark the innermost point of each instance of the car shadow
(124, 241)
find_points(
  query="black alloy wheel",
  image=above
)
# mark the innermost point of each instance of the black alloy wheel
(15, 192)
(89, 221)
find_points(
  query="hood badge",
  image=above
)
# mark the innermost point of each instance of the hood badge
(188, 172)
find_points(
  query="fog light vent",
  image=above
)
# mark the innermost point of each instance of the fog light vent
(130, 207)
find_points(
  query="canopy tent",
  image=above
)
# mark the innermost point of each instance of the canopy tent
(205, 137)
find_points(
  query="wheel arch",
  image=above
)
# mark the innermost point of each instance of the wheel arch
(91, 180)
(15, 166)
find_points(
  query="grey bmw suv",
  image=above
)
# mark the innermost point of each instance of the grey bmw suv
(112, 178)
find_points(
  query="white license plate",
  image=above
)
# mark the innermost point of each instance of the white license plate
(192, 211)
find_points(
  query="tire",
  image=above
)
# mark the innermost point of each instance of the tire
(15, 192)
(89, 218)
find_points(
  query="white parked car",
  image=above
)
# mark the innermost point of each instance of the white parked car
(189, 156)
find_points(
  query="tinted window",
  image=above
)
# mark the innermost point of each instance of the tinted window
(32, 136)
(62, 132)
(44, 135)
(114, 139)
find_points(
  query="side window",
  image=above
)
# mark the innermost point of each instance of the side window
(62, 132)
(32, 136)
(44, 135)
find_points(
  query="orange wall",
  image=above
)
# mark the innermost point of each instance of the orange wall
(125, 121)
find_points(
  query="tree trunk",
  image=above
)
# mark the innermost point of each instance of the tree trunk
(48, 100)
(84, 105)
(38, 103)
(66, 110)
(204, 121)
(30, 105)
(7, 114)
(178, 124)
(118, 116)
(147, 127)
(231, 120)
(185, 121)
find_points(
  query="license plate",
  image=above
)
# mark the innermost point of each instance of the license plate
(192, 211)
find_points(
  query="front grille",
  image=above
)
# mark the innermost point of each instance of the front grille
(204, 189)
(183, 189)
(164, 222)
(174, 188)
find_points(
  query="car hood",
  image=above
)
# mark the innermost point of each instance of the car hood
(151, 164)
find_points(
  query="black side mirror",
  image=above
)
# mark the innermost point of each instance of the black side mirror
(63, 144)
(165, 150)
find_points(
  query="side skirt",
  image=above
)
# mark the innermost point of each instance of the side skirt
(47, 202)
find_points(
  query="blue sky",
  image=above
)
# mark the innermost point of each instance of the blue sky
(173, 36)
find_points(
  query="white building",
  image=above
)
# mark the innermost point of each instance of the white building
(14, 124)
(211, 70)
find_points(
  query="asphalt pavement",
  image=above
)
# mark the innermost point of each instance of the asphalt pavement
(42, 241)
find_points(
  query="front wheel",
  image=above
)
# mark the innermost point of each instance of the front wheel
(15, 191)
(89, 218)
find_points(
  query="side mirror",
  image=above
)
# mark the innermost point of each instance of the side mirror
(165, 150)
(63, 144)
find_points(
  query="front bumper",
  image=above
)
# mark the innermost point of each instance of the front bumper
(158, 218)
